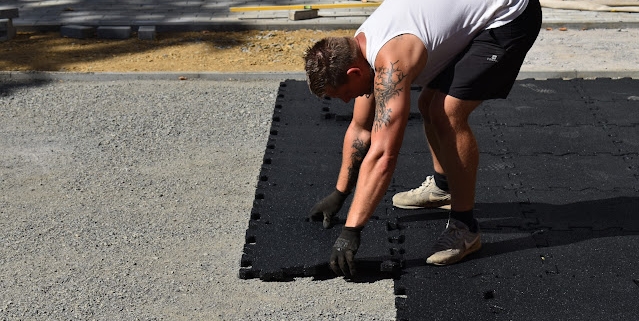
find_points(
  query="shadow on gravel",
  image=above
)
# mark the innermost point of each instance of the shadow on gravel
(8, 86)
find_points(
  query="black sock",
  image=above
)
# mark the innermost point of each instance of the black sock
(441, 181)
(466, 217)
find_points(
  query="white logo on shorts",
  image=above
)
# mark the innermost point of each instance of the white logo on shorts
(493, 58)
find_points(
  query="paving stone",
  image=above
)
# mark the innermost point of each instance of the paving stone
(9, 13)
(78, 32)
(114, 32)
(146, 33)
(7, 30)
(303, 14)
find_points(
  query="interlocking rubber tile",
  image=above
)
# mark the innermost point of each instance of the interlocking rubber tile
(603, 172)
(557, 201)
(626, 139)
(610, 90)
(516, 288)
(301, 164)
(556, 186)
(543, 103)
(558, 140)
(619, 113)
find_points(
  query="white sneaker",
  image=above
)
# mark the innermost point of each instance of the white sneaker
(428, 195)
(454, 244)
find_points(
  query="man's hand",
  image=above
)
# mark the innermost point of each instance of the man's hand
(343, 255)
(326, 209)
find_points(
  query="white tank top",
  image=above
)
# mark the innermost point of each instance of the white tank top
(444, 26)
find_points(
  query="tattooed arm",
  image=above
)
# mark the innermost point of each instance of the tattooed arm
(397, 64)
(356, 143)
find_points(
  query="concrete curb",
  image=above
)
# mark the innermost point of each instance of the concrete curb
(114, 76)
(324, 25)
(575, 74)
(248, 76)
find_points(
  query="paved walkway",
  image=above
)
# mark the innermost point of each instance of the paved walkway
(556, 55)
(215, 15)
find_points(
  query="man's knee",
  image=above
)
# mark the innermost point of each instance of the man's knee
(424, 103)
(450, 114)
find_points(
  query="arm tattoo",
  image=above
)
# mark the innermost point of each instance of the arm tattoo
(357, 157)
(386, 87)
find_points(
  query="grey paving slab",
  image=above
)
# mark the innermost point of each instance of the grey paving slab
(215, 14)
(75, 31)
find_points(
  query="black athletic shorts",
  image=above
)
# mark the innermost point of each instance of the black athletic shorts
(488, 66)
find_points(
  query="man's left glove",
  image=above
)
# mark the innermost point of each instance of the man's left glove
(343, 255)
(327, 208)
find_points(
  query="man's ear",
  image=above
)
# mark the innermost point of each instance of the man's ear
(354, 71)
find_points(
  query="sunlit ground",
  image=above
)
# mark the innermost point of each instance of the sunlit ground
(194, 51)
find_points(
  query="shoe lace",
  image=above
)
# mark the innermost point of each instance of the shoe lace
(425, 184)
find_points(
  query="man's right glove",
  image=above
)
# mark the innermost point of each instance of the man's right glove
(327, 208)
(342, 260)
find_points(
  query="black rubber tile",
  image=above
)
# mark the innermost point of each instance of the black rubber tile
(470, 290)
(518, 275)
(412, 169)
(625, 139)
(418, 233)
(618, 113)
(632, 164)
(283, 249)
(559, 140)
(540, 195)
(610, 90)
(562, 209)
(551, 90)
(301, 163)
(518, 296)
(495, 171)
(557, 202)
(490, 139)
(574, 172)
(543, 103)
(598, 268)
(511, 112)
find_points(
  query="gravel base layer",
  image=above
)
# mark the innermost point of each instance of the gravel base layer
(129, 200)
